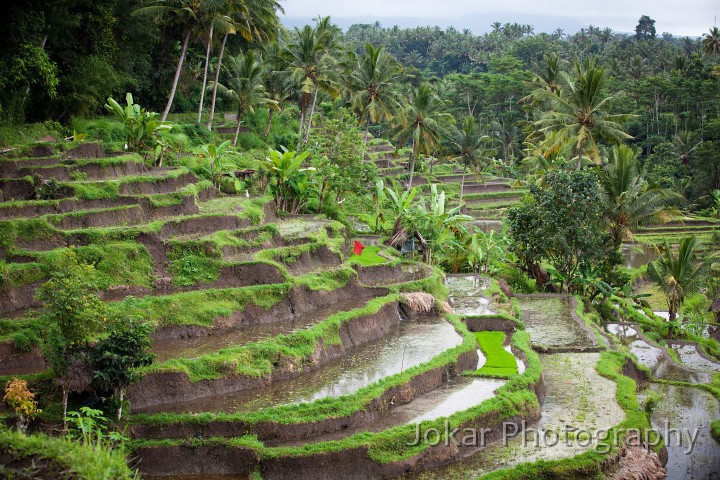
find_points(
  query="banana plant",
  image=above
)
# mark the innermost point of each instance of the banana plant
(289, 182)
(217, 163)
(143, 128)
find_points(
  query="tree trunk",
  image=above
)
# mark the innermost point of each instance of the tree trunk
(367, 129)
(303, 111)
(412, 171)
(270, 117)
(580, 154)
(237, 129)
(462, 183)
(185, 42)
(65, 394)
(120, 407)
(312, 112)
(217, 78)
(204, 82)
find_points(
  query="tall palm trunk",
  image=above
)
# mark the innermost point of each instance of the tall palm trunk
(269, 124)
(462, 183)
(303, 112)
(312, 112)
(217, 78)
(204, 82)
(178, 70)
(237, 129)
(365, 137)
(413, 160)
(580, 154)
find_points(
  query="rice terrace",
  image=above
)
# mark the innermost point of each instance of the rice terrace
(236, 248)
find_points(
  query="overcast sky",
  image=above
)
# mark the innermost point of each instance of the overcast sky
(679, 17)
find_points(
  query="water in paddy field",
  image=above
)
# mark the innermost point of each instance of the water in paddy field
(690, 356)
(653, 357)
(487, 225)
(638, 255)
(687, 409)
(550, 322)
(407, 345)
(456, 395)
(194, 347)
(467, 293)
(589, 407)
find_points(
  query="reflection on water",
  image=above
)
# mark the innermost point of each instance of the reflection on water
(689, 410)
(466, 292)
(550, 322)
(587, 408)
(406, 345)
(692, 358)
(638, 255)
(193, 347)
(659, 363)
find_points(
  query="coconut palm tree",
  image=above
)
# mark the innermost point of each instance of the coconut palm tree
(245, 86)
(629, 200)
(186, 13)
(372, 83)
(255, 20)
(218, 19)
(420, 122)
(468, 148)
(711, 42)
(678, 274)
(311, 61)
(580, 116)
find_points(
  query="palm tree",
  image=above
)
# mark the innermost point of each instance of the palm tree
(311, 62)
(629, 200)
(216, 18)
(678, 275)
(246, 85)
(371, 83)
(579, 116)
(711, 42)
(186, 13)
(278, 84)
(420, 121)
(255, 20)
(468, 147)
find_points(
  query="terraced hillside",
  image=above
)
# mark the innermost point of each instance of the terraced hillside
(281, 354)
(268, 339)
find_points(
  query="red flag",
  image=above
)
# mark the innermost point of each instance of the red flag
(359, 247)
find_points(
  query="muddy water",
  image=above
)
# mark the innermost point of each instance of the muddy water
(638, 255)
(487, 225)
(578, 399)
(692, 358)
(196, 346)
(687, 409)
(466, 292)
(407, 345)
(550, 322)
(456, 395)
(653, 357)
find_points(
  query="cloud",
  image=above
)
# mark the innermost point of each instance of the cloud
(686, 18)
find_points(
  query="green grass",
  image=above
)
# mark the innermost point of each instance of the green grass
(324, 408)
(200, 307)
(397, 444)
(369, 257)
(61, 458)
(258, 359)
(500, 363)
(715, 430)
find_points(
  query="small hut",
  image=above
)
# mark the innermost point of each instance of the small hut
(407, 241)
